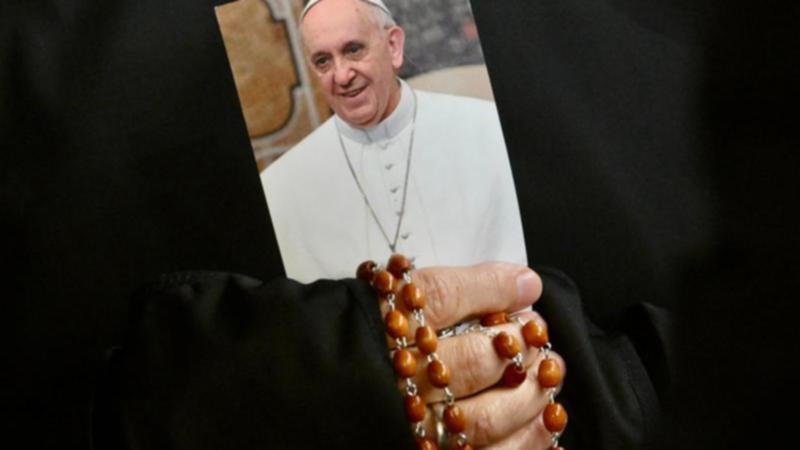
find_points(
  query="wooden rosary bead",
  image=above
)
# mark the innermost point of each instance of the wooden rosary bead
(405, 365)
(438, 374)
(366, 271)
(535, 335)
(415, 408)
(464, 446)
(426, 444)
(384, 283)
(555, 417)
(412, 297)
(426, 340)
(396, 324)
(505, 345)
(513, 376)
(496, 318)
(549, 375)
(398, 264)
(454, 419)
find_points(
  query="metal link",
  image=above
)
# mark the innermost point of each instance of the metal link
(441, 431)
(420, 317)
(491, 332)
(407, 276)
(554, 439)
(446, 332)
(449, 398)
(517, 360)
(411, 387)
(401, 342)
(419, 430)
(461, 439)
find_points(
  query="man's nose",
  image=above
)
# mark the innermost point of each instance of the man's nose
(343, 73)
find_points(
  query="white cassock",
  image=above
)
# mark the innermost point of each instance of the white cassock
(461, 206)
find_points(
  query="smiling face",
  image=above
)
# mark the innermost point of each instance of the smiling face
(354, 59)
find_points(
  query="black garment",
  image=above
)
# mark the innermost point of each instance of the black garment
(223, 361)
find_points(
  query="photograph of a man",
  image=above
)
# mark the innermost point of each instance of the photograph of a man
(394, 169)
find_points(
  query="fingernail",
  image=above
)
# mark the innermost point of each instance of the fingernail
(526, 285)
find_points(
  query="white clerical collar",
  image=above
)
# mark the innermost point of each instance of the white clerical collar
(390, 127)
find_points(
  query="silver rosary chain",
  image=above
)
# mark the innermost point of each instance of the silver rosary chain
(392, 244)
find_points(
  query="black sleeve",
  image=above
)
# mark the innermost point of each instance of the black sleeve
(218, 361)
(614, 378)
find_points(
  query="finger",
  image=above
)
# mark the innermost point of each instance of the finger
(532, 435)
(494, 415)
(473, 362)
(455, 294)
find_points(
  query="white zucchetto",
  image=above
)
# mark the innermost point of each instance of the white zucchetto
(377, 3)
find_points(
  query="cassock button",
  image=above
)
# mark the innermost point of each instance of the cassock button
(389, 166)
(394, 189)
(405, 235)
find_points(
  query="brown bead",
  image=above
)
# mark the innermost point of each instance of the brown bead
(405, 365)
(398, 264)
(505, 345)
(513, 376)
(555, 417)
(454, 419)
(492, 319)
(426, 444)
(366, 271)
(426, 340)
(463, 446)
(384, 283)
(438, 374)
(535, 334)
(412, 297)
(549, 375)
(415, 408)
(396, 324)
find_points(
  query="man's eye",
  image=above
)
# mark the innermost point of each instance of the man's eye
(321, 62)
(353, 49)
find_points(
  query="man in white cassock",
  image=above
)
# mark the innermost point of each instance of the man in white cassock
(395, 169)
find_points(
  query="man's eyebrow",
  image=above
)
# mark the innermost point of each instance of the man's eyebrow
(319, 53)
(353, 42)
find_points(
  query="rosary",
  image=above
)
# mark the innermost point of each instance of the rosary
(393, 284)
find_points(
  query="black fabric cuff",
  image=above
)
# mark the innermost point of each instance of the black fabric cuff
(608, 390)
(217, 360)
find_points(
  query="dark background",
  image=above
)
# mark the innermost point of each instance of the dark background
(653, 148)
(660, 164)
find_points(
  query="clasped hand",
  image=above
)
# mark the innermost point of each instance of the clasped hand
(498, 417)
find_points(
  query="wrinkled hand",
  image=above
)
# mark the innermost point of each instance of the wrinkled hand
(497, 417)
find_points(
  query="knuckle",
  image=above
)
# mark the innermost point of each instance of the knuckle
(494, 280)
(442, 293)
(473, 368)
(483, 426)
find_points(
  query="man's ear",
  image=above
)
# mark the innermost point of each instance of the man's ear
(397, 40)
